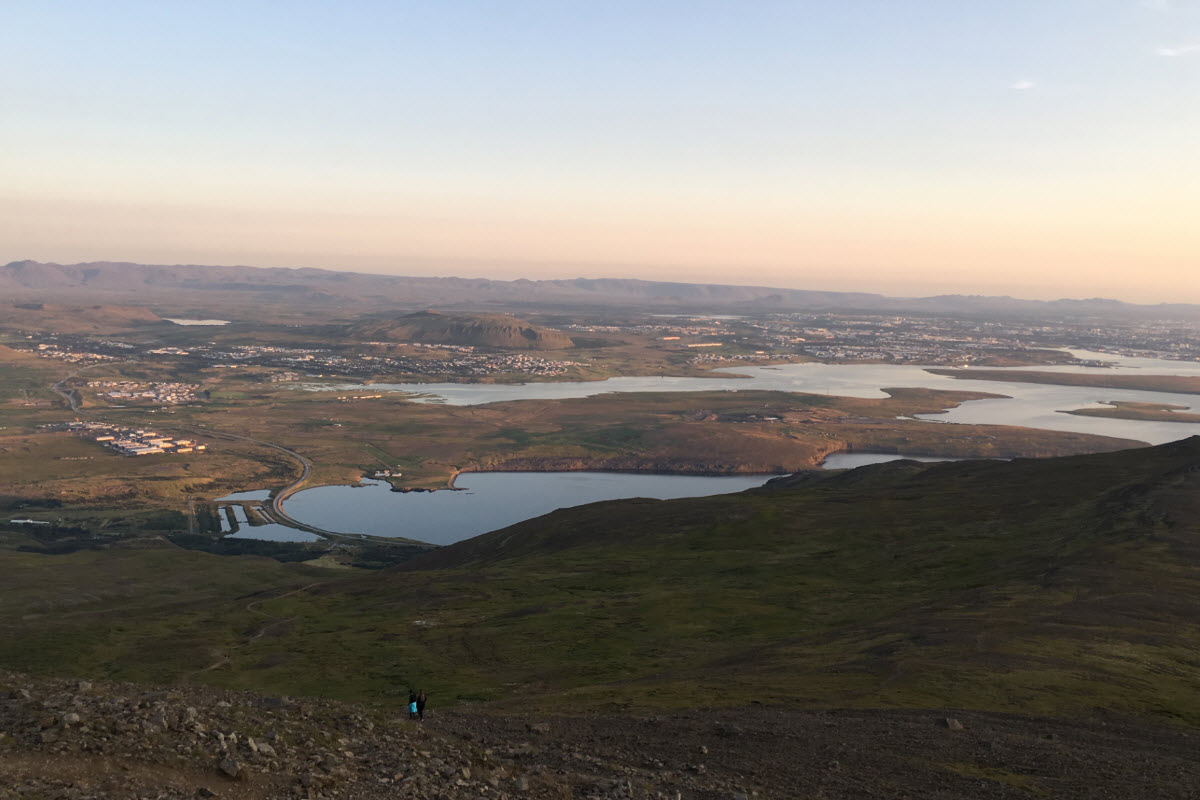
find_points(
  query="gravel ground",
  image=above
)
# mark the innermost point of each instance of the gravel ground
(71, 740)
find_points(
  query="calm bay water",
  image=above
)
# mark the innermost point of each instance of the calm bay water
(488, 501)
(273, 533)
(852, 460)
(257, 494)
(1027, 404)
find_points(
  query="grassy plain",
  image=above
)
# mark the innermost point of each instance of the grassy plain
(62, 465)
(718, 432)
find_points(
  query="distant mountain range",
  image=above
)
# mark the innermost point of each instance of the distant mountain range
(213, 287)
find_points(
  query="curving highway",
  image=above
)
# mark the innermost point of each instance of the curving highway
(287, 491)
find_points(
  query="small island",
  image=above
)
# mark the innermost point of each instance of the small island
(1176, 384)
(1130, 409)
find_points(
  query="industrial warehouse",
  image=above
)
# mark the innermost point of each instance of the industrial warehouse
(135, 441)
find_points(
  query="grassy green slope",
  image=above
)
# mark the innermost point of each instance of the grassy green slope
(1052, 586)
(145, 611)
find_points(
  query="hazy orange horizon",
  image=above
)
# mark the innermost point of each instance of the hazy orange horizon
(1030, 150)
(912, 256)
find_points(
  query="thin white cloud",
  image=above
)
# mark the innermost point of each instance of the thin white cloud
(1182, 50)
(1022, 85)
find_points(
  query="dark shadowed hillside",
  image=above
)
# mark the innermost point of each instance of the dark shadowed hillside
(1053, 585)
(1008, 629)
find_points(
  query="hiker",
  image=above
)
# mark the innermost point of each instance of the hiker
(412, 704)
(421, 705)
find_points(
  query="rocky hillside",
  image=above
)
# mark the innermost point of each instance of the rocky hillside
(79, 739)
(72, 740)
(500, 331)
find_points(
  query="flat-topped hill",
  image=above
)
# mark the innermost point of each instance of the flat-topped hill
(500, 331)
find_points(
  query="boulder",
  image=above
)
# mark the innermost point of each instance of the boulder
(230, 768)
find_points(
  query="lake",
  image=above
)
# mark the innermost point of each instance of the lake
(257, 494)
(487, 501)
(182, 321)
(272, 532)
(852, 460)
(1028, 404)
(495, 500)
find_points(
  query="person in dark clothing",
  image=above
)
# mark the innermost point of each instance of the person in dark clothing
(421, 705)
(412, 704)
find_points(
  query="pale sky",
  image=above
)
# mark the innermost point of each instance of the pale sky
(1038, 148)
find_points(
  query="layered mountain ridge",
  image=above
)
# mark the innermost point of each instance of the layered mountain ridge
(116, 282)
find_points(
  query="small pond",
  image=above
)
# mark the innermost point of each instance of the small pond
(261, 495)
(273, 533)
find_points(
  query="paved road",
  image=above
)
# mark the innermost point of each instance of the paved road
(276, 502)
(291, 489)
(67, 394)
(295, 486)
(287, 491)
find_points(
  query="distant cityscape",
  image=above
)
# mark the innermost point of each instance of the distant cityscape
(688, 340)
(162, 393)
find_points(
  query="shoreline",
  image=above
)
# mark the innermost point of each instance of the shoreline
(707, 371)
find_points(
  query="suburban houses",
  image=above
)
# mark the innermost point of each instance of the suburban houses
(163, 393)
